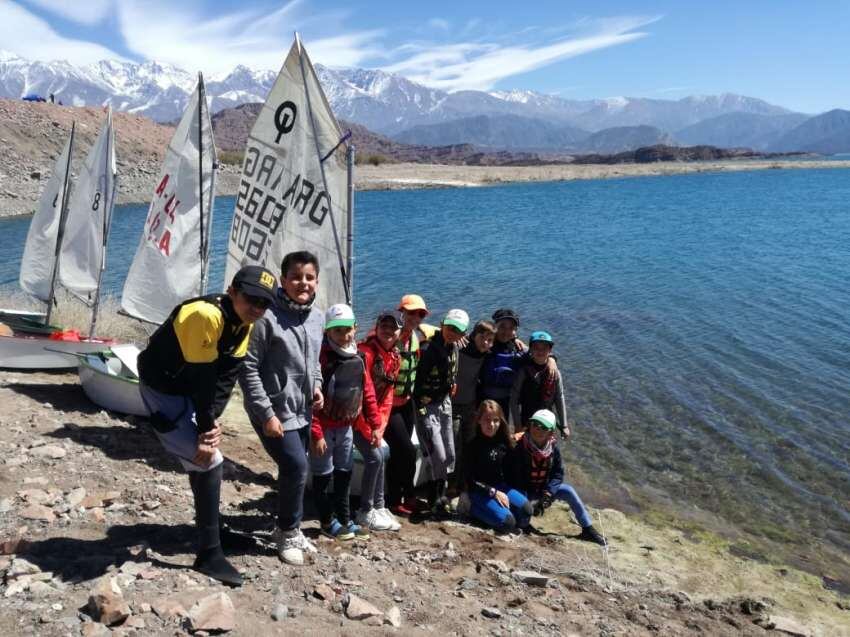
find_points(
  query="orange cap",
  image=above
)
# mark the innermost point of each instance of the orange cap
(413, 302)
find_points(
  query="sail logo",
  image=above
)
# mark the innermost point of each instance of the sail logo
(284, 119)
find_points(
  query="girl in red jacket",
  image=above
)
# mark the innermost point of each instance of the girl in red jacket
(349, 398)
(382, 365)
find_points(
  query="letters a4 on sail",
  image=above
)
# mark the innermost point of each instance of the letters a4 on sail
(282, 204)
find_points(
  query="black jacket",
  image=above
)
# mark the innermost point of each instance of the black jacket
(437, 370)
(485, 461)
(163, 364)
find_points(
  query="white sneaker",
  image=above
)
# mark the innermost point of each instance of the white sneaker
(371, 519)
(385, 513)
(290, 549)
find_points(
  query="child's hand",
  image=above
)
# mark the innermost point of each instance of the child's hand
(376, 438)
(272, 428)
(319, 447)
(502, 498)
(546, 501)
(565, 432)
(551, 365)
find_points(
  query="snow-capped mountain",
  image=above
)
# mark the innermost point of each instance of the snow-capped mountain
(383, 102)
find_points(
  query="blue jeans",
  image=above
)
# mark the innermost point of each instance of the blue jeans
(566, 493)
(339, 455)
(489, 511)
(374, 462)
(290, 455)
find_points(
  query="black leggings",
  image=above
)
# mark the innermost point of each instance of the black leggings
(401, 466)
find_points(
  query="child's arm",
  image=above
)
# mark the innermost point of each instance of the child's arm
(370, 403)
(257, 402)
(556, 472)
(423, 371)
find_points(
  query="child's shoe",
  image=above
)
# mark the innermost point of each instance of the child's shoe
(395, 525)
(337, 531)
(359, 532)
(372, 520)
(589, 534)
(403, 509)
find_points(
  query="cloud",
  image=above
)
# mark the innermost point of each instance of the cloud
(81, 11)
(439, 23)
(252, 37)
(480, 65)
(33, 38)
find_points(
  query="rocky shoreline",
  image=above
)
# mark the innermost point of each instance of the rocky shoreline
(96, 531)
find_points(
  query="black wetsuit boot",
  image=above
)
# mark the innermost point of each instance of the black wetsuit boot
(206, 487)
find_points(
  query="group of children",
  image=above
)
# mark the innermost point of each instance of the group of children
(484, 407)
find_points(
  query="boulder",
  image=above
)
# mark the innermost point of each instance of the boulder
(49, 451)
(393, 617)
(106, 602)
(532, 578)
(361, 610)
(491, 613)
(76, 496)
(213, 613)
(167, 608)
(324, 592)
(38, 512)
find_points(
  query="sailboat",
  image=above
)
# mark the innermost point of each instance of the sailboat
(76, 226)
(171, 262)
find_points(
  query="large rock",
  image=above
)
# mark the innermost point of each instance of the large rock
(166, 608)
(213, 613)
(14, 545)
(38, 512)
(106, 602)
(786, 625)
(393, 617)
(49, 451)
(360, 609)
(76, 496)
(532, 578)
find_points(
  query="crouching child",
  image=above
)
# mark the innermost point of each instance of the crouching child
(535, 468)
(491, 500)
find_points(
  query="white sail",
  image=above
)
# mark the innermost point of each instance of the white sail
(173, 248)
(82, 255)
(284, 203)
(40, 248)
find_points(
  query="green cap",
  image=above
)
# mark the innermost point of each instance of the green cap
(339, 315)
(545, 418)
(457, 319)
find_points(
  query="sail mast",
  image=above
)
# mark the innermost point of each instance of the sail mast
(342, 269)
(63, 214)
(203, 251)
(349, 155)
(107, 218)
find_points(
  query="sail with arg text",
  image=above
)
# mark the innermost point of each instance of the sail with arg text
(293, 191)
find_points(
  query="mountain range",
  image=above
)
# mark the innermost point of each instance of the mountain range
(408, 112)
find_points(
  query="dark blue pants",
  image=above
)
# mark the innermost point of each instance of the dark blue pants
(290, 454)
(489, 511)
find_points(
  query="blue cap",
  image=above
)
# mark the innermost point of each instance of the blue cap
(541, 337)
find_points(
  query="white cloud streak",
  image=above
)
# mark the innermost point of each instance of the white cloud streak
(33, 38)
(79, 11)
(481, 65)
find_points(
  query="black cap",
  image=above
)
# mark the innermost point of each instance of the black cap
(256, 281)
(505, 313)
(392, 314)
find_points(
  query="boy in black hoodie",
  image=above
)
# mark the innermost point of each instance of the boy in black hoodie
(435, 384)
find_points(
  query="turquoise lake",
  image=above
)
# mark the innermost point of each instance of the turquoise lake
(702, 323)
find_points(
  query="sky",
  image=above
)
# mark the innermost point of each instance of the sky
(791, 53)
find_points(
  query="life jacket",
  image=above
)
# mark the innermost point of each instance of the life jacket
(342, 386)
(499, 369)
(538, 390)
(538, 473)
(441, 377)
(406, 378)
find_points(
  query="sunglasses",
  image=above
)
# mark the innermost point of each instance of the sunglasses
(259, 302)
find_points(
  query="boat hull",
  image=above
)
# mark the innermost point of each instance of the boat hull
(40, 352)
(112, 392)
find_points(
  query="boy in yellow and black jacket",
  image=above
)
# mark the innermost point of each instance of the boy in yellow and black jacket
(187, 372)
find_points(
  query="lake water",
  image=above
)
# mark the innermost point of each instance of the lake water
(702, 323)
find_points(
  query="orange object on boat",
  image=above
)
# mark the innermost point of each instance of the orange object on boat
(66, 335)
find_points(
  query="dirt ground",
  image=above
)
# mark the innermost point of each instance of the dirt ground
(85, 494)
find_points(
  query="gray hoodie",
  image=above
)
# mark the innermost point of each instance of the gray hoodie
(281, 368)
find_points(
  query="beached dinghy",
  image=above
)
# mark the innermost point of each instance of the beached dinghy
(66, 244)
(171, 261)
(111, 380)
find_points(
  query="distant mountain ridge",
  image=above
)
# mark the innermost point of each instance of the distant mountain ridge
(394, 106)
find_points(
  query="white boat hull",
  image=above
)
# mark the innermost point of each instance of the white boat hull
(111, 381)
(34, 352)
